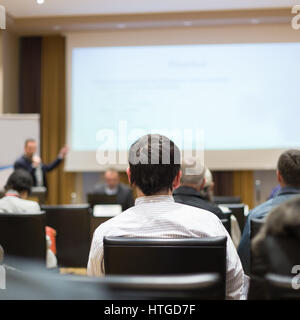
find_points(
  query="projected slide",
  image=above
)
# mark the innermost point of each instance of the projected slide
(243, 96)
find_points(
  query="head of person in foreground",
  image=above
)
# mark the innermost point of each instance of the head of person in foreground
(154, 165)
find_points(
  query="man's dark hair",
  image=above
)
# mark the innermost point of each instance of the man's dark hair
(20, 180)
(289, 167)
(29, 140)
(154, 162)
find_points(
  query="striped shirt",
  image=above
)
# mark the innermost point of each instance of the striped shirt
(162, 217)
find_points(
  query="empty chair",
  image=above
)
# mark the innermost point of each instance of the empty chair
(23, 236)
(132, 256)
(280, 287)
(238, 210)
(176, 287)
(72, 225)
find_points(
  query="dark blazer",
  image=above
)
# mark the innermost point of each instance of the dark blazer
(25, 163)
(124, 195)
(191, 197)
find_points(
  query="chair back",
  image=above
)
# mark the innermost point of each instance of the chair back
(280, 287)
(72, 225)
(22, 235)
(238, 210)
(206, 286)
(255, 226)
(134, 256)
(227, 224)
(226, 200)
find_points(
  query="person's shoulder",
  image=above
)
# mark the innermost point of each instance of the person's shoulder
(195, 211)
(109, 224)
(262, 209)
(29, 206)
(20, 160)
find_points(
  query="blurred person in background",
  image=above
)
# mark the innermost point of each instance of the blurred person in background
(288, 176)
(112, 186)
(191, 185)
(15, 200)
(32, 163)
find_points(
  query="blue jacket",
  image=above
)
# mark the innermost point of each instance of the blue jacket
(25, 163)
(260, 212)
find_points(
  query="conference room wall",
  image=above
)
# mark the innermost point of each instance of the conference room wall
(9, 71)
(1, 72)
(278, 32)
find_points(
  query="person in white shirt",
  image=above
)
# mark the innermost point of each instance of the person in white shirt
(154, 170)
(17, 190)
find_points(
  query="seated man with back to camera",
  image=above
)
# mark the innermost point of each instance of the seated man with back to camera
(112, 186)
(288, 175)
(190, 187)
(157, 215)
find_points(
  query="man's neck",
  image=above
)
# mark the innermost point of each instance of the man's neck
(139, 193)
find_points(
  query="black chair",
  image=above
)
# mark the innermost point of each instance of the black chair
(255, 226)
(227, 224)
(238, 210)
(206, 286)
(133, 256)
(278, 255)
(226, 200)
(72, 225)
(280, 287)
(23, 236)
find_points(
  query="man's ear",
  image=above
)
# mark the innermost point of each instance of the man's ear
(279, 178)
(128, 175)
(176, 182)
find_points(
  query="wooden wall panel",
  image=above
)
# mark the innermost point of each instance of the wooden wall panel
(30, 75)
(53, 117)
(243, 186)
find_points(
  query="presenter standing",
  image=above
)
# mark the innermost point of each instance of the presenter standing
(32, 163)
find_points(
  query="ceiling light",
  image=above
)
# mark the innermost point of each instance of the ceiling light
(40, 1)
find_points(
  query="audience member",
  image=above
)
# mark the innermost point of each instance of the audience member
(207, 193)
(273, 248)
(112, 186)
(17, 190)
(154, 169)
(32, 163)
(288, 175)
(190, 187)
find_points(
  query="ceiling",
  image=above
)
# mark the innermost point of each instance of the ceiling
(55, 8)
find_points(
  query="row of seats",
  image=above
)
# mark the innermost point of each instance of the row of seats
(74, 224)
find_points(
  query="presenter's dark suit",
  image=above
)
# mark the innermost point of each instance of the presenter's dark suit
(124, 195)
(191, 197)
(25, 163)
